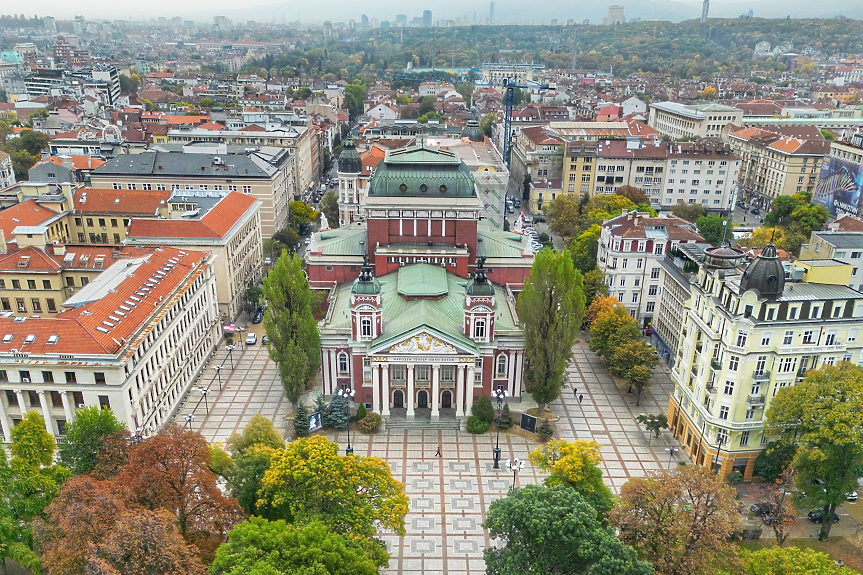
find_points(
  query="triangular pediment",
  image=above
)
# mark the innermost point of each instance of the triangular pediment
(423, 340)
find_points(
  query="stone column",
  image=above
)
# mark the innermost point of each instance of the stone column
(376, 392)
(5, 424)
(46, 412)
(435, 399)
(325, 370)
(468, 388)
(410, 398)
(510, 373)
(385, 407)
(459, 390)
(70, 413)
(519, 372)
(334, 372)
(20, 395)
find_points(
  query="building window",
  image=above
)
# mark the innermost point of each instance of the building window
(104, 402)
(765, 339)
(37, 305)
(634, 297)
(247, 189)
(366, 327)
(117, 186)
(729, 388)
(31, 284)
(398, 372)
(723, 412)
(477, 374)
(70, 377)
(789, 337)
(421, 373)
(741, 338)
(654, 273)
(652, 290)
(99, 377)
(343, 362)
(501, 365)
(744, 438)
(48, 376)
(733, 362)
(807, 336)
(46, 284)
(750, 414)
(650, 306)
(479, 329)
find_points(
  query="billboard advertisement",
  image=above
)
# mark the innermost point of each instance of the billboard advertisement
(839, 187)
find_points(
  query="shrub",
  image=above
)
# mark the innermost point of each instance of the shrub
(483, 409)
(545, 431)
(301, 421)
(734, 478)
(476, 425)
(339, 412)
(361, 412)
(506, 420)
(370, 423)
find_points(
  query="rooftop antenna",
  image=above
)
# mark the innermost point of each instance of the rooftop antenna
(724, 241)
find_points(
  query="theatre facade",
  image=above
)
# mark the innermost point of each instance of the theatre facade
(421, 295)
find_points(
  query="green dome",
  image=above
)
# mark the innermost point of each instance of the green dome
(479, 285)
(349, 159)
(417, 172)
(473, 132)
(366, 283)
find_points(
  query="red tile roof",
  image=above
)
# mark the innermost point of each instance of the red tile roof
(102, 326)
(121, 202)
(27, 213)
(79, 162)
(51, 259)
(215, 224)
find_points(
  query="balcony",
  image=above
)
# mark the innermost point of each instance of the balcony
(802, 372)
(760, 375)
(715, 365)
(710, 388)
(699, 346)
(755, 401)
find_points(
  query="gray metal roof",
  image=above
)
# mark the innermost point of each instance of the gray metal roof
(186, 165)
(842, 240)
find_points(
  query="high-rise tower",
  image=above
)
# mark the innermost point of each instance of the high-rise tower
(705, 8)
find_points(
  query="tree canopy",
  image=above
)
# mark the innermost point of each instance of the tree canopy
(85, 435)
(551, 307)
(790, 561)
(712, 228)
(554, 530)
(575, 464)
(584, 248)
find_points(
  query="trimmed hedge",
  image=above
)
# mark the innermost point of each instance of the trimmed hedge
(476, 425)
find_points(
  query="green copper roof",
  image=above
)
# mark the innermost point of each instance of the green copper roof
(343, 241)
(422, 280)
(418, 171)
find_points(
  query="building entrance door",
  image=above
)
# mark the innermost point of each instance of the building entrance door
(446, 399)
(422, 398)
(398, 398)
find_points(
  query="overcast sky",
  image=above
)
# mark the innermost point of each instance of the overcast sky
(505, 10)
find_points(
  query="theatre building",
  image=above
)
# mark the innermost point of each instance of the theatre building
(420, 309)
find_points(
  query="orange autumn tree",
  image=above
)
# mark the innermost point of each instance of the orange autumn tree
(575, 464)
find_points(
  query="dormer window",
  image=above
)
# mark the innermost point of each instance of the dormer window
(479, 329)
(366, 327)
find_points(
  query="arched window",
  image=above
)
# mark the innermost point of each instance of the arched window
(479, 329)
(501, 365)
(343, 362)
(366, 327)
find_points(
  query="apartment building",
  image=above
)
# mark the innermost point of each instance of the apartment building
(750, 331)
(101, 216)
(228, 226)
(773, 164)
(265, 174)
(680, 121)
(677, 270)
(536, 154)
(134, 339)
(301, 142)
(7, 172)
(579, 168)
(844, 247)
(703, 172)
(631, 247)
(630, 163)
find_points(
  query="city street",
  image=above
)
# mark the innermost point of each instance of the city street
(450, 495)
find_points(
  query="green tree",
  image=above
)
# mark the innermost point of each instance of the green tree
(355, 95)
(302, 214)
(790, 561)
(427, 105)
(295, 344)
(828, 135)
(775, 459)
(252, 297)
(486, 123)
(261, 547)
(301, 421)
(606, 206)
(129, 84)
(425, 118)
(258, 431)
(689, 212)
(594, 286)
(584, 248)
(712, 228)
(207, 102)
(245, 477)
(329, 206)
(338, 412)
(287, 238)
(783, 207)
(82, 446)
(822, 416)
(576, 465)
(610, 330)
(29, 141)
(310, 481)
(633, 360)
(554, 530)
(564, 217)
(466, 91)
(551, 306)
(14, 533)
(483, 409)
(653, 423)
(635, 195)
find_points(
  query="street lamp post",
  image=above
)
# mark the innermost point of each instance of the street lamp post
(649, 420)
(671, 451)
(514, 465)
(204, 393)
(230, 349)
(349, 395)
(500, 395)
(720, 441)
(218, 370)
(189, 419)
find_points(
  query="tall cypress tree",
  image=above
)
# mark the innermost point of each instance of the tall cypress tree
(295, 344)
(551, 308)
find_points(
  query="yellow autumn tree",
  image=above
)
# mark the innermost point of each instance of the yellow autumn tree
(575, 464)
(351, 495)
(709, 93)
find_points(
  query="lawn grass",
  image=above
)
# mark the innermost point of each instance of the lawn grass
(836, 547)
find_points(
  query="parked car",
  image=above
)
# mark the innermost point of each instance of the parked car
(252, 339)
(851, 496)
(265, 340)
(258, 317)
(818, 517)
(762, 508)
(516, 202)
(755, 211)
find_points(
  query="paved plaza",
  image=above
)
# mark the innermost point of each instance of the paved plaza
(450, 495)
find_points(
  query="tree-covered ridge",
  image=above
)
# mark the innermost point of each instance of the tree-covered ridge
(683, 50)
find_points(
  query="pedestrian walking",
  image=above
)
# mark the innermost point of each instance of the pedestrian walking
(575, 391)
(437, 453)
(580, 397)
